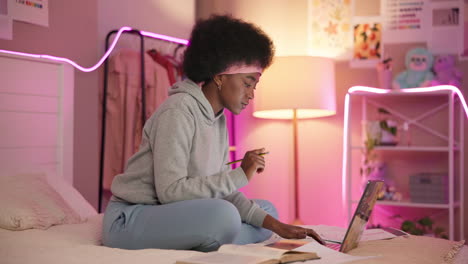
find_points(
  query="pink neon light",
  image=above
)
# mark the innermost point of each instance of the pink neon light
(104, 57)
(414, 90)
(367, 89)
(355, 89)
(168, 38)
(345, 153)
(37, 56)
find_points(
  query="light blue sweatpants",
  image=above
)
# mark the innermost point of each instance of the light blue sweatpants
(202, 224)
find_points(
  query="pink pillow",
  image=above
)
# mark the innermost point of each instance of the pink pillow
(28, 201)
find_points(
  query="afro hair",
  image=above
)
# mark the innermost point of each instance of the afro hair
(221, 41)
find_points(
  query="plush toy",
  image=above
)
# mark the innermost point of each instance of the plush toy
(445, 71)
(418, 72)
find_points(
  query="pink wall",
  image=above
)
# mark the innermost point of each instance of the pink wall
(159, 16)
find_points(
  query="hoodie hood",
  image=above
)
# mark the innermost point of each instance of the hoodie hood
(190, 88)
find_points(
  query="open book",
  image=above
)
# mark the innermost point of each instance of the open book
(249, 254)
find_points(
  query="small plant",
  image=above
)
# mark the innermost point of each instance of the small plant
(368, 157)
(423, 226)
(374, 129)
(388, 128)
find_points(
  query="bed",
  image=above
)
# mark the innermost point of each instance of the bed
(44, 219)
(75, 237)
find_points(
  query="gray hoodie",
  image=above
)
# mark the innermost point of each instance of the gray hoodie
(182, 156)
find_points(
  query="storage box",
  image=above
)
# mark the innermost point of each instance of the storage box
(429, 188)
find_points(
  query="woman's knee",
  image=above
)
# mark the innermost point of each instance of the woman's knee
(223, 225)
(226, 219)
(226, 214)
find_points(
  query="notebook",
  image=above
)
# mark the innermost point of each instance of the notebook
(361, 216)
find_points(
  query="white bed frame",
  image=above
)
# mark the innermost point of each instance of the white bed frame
(36, 116)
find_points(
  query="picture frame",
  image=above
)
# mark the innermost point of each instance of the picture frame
(367, 49)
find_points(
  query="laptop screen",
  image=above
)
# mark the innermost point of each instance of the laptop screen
(361, 215)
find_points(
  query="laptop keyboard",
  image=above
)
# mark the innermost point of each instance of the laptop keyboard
(333, 246)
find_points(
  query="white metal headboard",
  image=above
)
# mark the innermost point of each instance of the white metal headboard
(36, 115)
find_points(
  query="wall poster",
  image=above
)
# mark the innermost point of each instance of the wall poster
(405, 20)
(30, 11)
(367, 42)
(329, 28)
(6, 23)
(446, 36)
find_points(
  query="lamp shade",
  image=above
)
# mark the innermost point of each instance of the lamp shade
(303, 83)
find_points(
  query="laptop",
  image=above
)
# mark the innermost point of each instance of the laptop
(360, 218)
(356, 226)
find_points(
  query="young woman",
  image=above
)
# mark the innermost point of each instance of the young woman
(177, 191)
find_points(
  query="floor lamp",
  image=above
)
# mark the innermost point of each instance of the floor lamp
(296, 87)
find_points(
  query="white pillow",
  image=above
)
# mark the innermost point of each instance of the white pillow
(28, 201)
(72, 196)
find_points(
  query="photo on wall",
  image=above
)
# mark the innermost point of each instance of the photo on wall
(446, 34)
(446, 17)
(464, 26)
(367, 44)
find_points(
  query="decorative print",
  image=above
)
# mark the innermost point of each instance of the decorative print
(6, 23)
(405, 20)
(367, 41)
(30, 11)
(329, 28)
(449, 16)
(446, 27)
(34, 4)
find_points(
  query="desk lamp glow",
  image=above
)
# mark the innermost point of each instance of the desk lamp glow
(296, 87)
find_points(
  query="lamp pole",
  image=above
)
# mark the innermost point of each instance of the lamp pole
(297, 220)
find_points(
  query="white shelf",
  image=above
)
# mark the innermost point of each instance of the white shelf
(403, 93)
(452, 142)
(416, 205)
(410, 148)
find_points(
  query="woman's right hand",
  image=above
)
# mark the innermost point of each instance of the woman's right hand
(290, 231)
(253, 162)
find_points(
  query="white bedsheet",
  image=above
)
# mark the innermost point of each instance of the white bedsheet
(81, 243)
(78, 243)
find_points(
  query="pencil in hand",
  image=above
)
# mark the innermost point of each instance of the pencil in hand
(239, 160)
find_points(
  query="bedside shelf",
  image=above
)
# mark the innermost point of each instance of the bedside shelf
(415, 205)
(436, 128)
(410, 148)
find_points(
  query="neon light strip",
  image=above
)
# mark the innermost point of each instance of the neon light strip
(344, 169)
(355, 89)
(164, 37)
(104, 57)
(414, 90)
